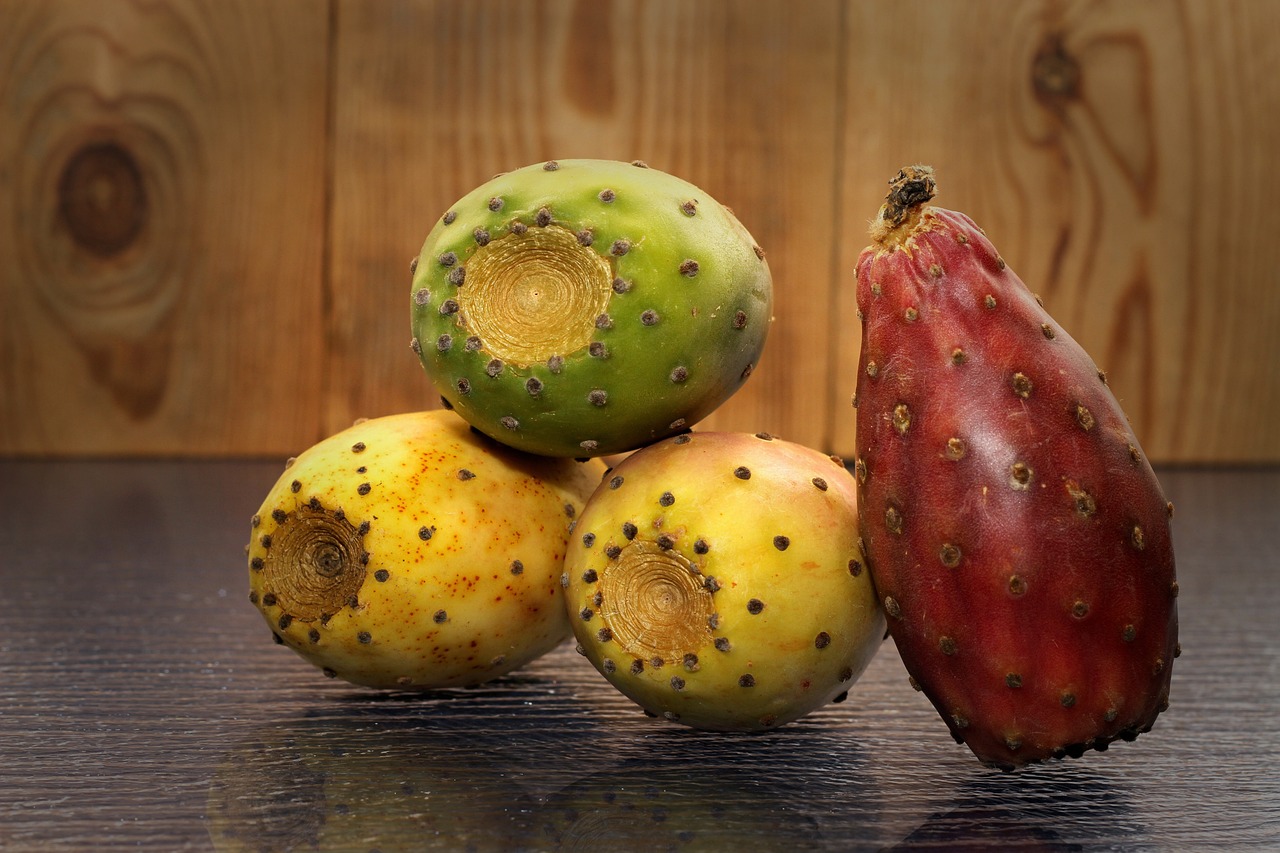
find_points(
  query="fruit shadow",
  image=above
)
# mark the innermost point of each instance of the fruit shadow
(803, 786)
(448, 769)
(1058, 806)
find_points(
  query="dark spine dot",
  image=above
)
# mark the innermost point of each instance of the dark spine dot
(464, 475)
(649, 317)
(365, 638)
(585, 237)
(606, 195)
(444, 343)
(543, 217)
(381, 575)
(742, 472)
(533, 385)
(481, 236)
(279, 516)
(667, 499)
(613, 552)
(747, 680)
(701, 546)
(680, 374)
(629, 530)
(295, 487)
(637, 666)
(596, 349)
(449, 306)
(820, 483)
(754, 606)
(822, 640)
(364, 488)
(421, 296)
(517, 567)
(689, 268)
(495, 204)
(457, 276)
(615, 482)
(494, 367)
(450, 217)
(620, 248)
(782, 543)
(509, 422)
(690, 207)
(588, 539)
(440, 617)
(722, 644)
(463, 385)
(313, 635)
(598, 397)
(448, 259)
(855, 568)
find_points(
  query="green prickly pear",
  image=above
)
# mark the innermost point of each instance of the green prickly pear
(717, 580)
(588, 307)
(409, 552)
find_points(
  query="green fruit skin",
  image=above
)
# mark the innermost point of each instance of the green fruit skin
(802, 621)
(712, 324)
(434, 601)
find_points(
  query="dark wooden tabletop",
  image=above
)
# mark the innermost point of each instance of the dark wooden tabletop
(144, 705)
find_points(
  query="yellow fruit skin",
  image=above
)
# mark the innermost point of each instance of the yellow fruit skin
(722, 499)
(387, 554)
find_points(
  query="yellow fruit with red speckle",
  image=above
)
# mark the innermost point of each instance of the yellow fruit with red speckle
(410, 552)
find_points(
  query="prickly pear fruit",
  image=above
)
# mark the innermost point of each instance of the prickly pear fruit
(1016, 532)
(588, 307)
(409, 552)
(716, 580)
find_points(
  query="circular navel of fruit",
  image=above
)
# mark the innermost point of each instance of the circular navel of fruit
(316, 564)
(535, 294)
(654, 603)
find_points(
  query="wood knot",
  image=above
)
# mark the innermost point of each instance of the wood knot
(1055, 74)
(102, 199)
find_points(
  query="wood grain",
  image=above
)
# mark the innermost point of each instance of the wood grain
(1111, 153)
(144, 706)
(434, 98)
(207, 208)
(162, 179)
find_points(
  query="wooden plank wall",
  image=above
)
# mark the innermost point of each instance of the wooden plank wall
(207, 207)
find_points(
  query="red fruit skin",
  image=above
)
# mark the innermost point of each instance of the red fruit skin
(1016, 533)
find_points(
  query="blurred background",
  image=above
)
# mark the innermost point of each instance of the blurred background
(208, 207)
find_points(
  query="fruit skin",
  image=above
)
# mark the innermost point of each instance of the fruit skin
(671, 322)
(1016, 532)
(715, 579)
(409, 552)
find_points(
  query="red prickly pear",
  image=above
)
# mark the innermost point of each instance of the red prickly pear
(1016, 533)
